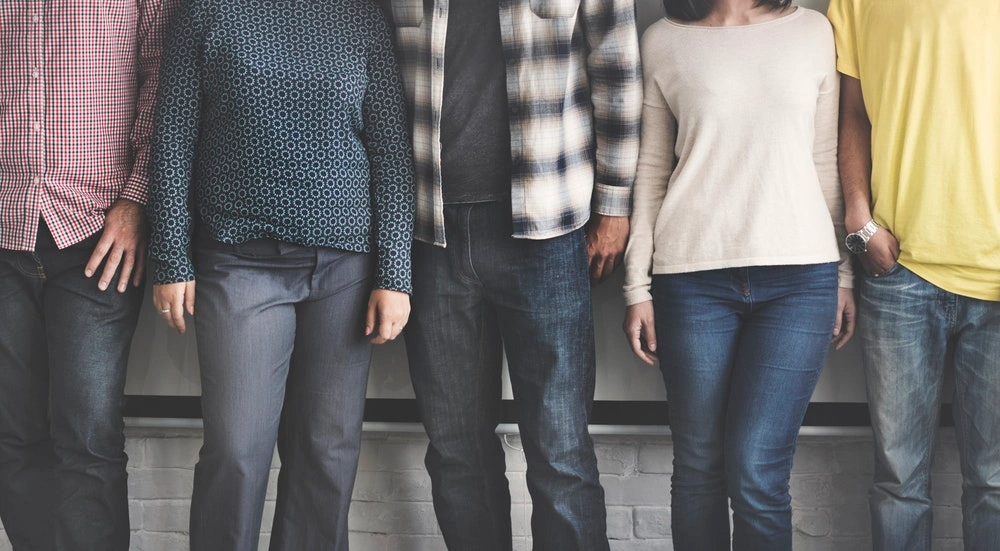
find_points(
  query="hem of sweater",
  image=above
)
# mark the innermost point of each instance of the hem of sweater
(182, 263)
(720, 264)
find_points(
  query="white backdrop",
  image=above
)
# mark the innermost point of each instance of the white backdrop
(163, 363)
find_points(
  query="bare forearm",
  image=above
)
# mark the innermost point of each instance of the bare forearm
(854, 154)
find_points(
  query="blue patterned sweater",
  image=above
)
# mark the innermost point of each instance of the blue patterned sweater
(281, 120)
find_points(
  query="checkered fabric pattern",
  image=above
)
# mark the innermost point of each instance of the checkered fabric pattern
(77, 80)
(575, 96)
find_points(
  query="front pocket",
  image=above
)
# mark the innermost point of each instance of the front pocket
(407, 13)
(891, 271)
(548, 9)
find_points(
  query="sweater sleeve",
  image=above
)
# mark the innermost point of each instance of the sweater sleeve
(177, 117)
(656, 164)
(390, 159)
(825, 159)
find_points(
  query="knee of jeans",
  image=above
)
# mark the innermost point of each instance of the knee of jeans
(703, 478)
(89, 439)
(759, 485)
(464, 452)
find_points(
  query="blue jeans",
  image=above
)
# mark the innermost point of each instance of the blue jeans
(911, 330)
(741, 351)
(63, 351)
(483, 294)
(283, 359)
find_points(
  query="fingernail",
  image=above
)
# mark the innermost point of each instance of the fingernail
(102, 285)
(88, 273)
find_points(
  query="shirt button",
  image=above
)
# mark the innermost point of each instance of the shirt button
(35, 18)
(36, 180)
(35, 74)
(38, 127)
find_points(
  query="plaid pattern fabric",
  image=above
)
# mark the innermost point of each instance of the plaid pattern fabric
(77, 79)
(575, 95)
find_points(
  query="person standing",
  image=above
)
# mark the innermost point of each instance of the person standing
(525, 118)
(734, 280)
(281, 206)
(920, 162)
(77, 85)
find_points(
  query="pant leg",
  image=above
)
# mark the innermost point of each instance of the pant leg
(540, 290)
(903, 331)
(319, 439)
(454, 353)
(782, 349)
(245, 324)
(27, 486)
(698, 325)
(89, 333)
(977, 419)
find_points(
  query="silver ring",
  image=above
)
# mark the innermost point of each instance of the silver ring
(167, 311)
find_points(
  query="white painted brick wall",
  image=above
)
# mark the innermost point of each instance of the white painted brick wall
(392, 509)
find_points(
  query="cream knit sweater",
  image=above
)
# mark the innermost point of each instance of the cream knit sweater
(738, 159)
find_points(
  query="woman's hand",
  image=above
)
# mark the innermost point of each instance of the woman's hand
(172, 300)
(387, 314)
(640, 331)
(843, 327)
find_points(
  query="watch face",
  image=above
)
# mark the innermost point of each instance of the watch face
(856, 244)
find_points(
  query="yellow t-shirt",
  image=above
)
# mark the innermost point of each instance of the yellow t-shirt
(930, 75)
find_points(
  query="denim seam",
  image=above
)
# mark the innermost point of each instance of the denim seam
(467, 251)
(39, 272)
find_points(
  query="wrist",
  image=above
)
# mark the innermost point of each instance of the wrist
(857, 242)
(856, 219)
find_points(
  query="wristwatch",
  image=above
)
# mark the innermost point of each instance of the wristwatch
(857, 242)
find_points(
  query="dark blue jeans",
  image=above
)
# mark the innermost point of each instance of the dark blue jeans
(63, 350)
(911, 331)
(741, 351)
(484, 294)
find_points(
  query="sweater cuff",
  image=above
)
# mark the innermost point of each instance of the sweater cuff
(636, 296)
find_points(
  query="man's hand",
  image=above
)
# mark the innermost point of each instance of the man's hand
(640, 331)
(172, 300)
(843, 327)
(883, 250)
(606, 238)
(122, 243)
(387, 314)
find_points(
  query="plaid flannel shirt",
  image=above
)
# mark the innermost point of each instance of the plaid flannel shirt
(77, 83)
(575, 95)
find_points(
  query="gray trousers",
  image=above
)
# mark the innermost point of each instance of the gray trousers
(283, 359)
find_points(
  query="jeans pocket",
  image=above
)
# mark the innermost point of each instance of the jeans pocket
(889, 272)
(549, 9)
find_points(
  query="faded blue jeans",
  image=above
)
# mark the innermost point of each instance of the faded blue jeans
(63, 351)
(741, 351)
(483, 294)
(911, 330)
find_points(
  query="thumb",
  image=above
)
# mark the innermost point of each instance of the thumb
(370, 318)
(649, 333)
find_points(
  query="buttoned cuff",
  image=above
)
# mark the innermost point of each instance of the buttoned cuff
(612, 200)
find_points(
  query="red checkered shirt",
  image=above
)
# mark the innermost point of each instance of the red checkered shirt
(77, 82)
